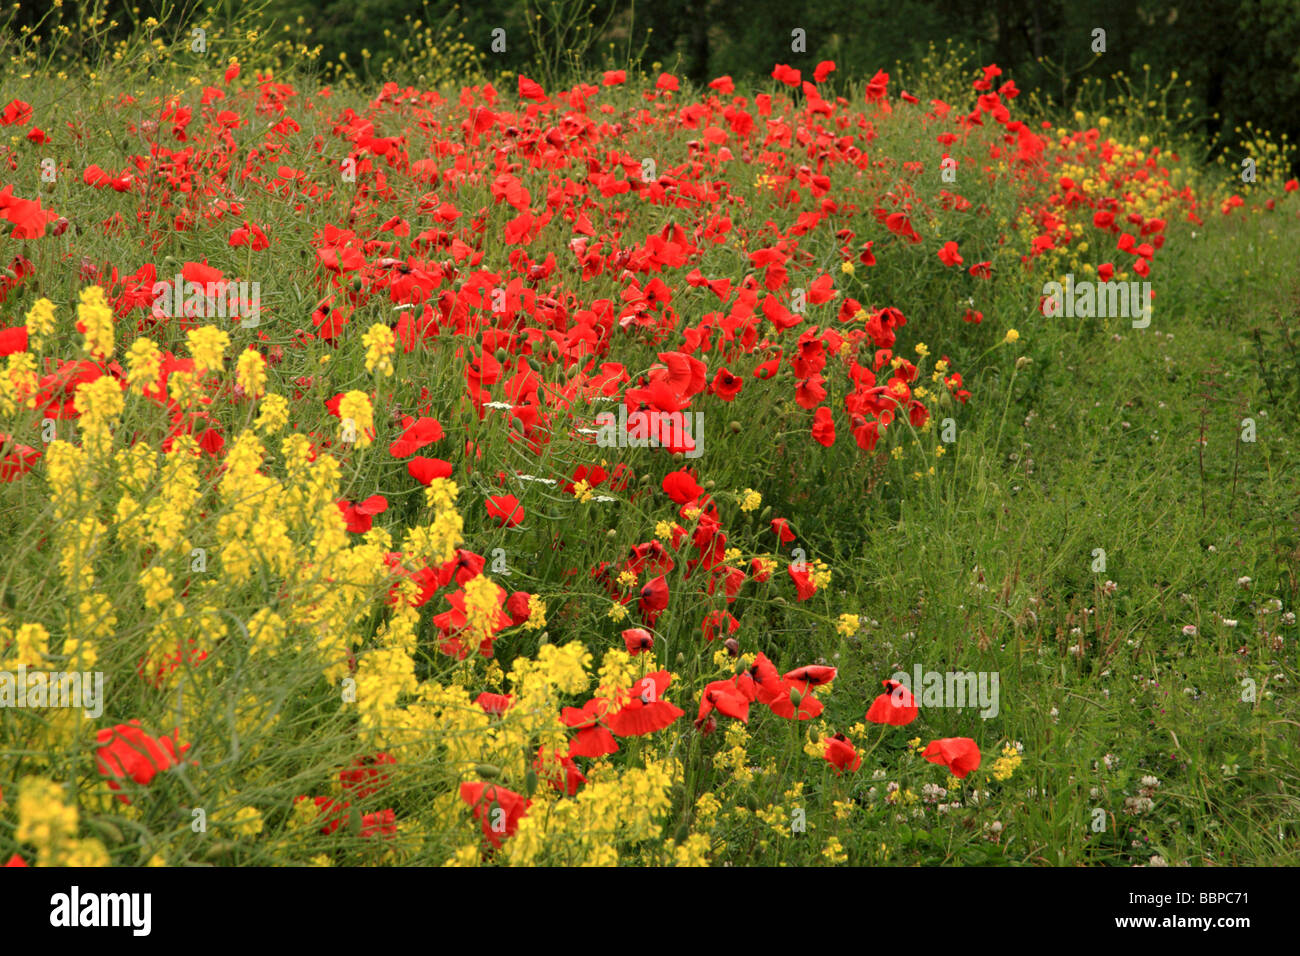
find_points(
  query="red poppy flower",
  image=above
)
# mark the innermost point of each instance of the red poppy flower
(781, 528)
(424, 470)
(796, 703)
(725, 385)
(360, 516)
(784, 73)
(823, 429)
(127, 752)
(803, 582)
(727, 698)
(714, 621)
(498, 810)
(647, 711)
(653, 599)
(494, 705)
(13, 339)
(366, 776)
(530, 89)
(381, 823)
(896, 706)
(814, 675)
(681, 487)
(591, 739)
(961, 755)
(519, 607)
(841, 754)
(559, 771)
(15, 458)
(506, 509)
(416, 433)
(638, 640)
(949, 256)
(329, 810)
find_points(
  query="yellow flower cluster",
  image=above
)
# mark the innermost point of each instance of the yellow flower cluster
(49, 824)
(356, 419)
(1005, 766)
(380, 345)
(96, 320)
(207, 346)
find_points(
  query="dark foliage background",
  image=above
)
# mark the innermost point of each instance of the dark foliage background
(1241, 57)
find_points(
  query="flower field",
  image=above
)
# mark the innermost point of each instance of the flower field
(632, 473)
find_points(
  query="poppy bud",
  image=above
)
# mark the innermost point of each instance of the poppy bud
(356, 285)
(683, 832)
(795, 696)
(221, 848)
(645, 479)
(732, 646)
(814, 736)
(1023, 361)
(765, 513)
(112, 832)
(501, 354)
(681, 658)
(734, 426)
(678, 456)
(544, 639)
(489, 770)
(750, 801)
(533, 364)
(530, 782)
(611, 534)
(709, 485)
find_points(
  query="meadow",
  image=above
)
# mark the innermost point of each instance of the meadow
(311, 450)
